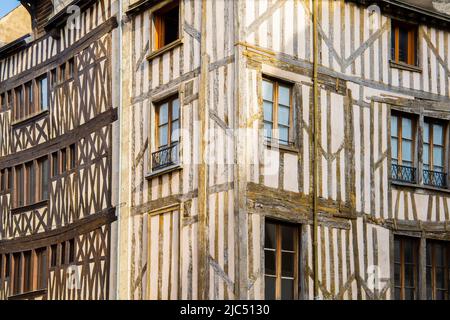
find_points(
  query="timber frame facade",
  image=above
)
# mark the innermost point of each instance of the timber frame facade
(58, 123)
(214, 149)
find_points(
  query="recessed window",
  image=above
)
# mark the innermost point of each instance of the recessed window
(433, 154)
(278, 113)
(281, 256)
(43, 93)
(166, 23)
(72, 156)
(406, 268)
(54, 255)
(403, 148)
(30, 271)
(404, 43)
(62, 72)
(55, 164)
(167, 133)
(71, 64)
(29, 105)
(19, 106)
(438, 270)
(31, 182)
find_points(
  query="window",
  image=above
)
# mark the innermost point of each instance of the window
(406, 268)
(403, 149)
(29, 106)
(31, 182)
(403, 43)
(281, 261)
(43, 93)
(62, 72)
(71, 63)
(71, 250)
(167, 133)
(55, 164)
(43, 171)
(63, 160)
(30, 270)
(72, 156)
(3, 180)
(63, 253)
(433, 154)
(166, 25)
(41, 268)
(18, 187)
(54, 255)
(17, 269)
(3, 102)
(438, 270)
(53, 77)
(19, 105)
(278, 113)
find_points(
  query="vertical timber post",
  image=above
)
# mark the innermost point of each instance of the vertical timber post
(315, 145)
(203, 242)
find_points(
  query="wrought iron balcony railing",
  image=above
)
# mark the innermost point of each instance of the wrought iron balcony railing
(435, 178)
(165, 157)
(281, 142)
(403, 173)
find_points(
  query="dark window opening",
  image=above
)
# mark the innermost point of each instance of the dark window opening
(166, 24)
(404, 43)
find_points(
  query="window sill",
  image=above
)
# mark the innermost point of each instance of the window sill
(282, 147)
(160, 172)
(165, 49)
(30, 118)
(419, 186)
(404, 66)
(29, 207)
(28, 295)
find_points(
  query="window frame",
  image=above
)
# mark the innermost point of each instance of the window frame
(431, 122)
(433, 244)
(412, 45)
(416, 263)
(275, 108)
(23, 196)
(278, 257)
(157, 23)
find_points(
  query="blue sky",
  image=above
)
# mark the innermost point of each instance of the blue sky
(7, 5)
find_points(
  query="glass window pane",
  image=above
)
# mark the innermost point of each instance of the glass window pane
(269, 262)
(397, 257)
(268, 109)
(403, 45)
(394, 129)
(438, 156)
(283, 115)
(175, 109)
(283, 134)
(409, 294)
(440, 278)
(163, 113)
(426, 132)
(287, 264)
(397, 274)
(267, 130)
(409, 275)
(407, 128)
(397, 294)
(269, 288)
(438, 134)
(284, 95)
(44, 94)
(408, 248)
(407, 151)
(175, 131)
(267, 90)
(270, 236)
(394, 148)
(440, 295)
(163, 135)
(287, 289)
(287, 236)
(426, 154)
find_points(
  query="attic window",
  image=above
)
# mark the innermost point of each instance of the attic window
(166, 24)
(404, 43)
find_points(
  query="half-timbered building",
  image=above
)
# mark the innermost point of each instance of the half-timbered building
(58, 122)
(284, 149)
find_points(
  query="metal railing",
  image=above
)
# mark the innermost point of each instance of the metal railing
(165, 157)
(403, 173)
(274, 141)
(435, 178)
